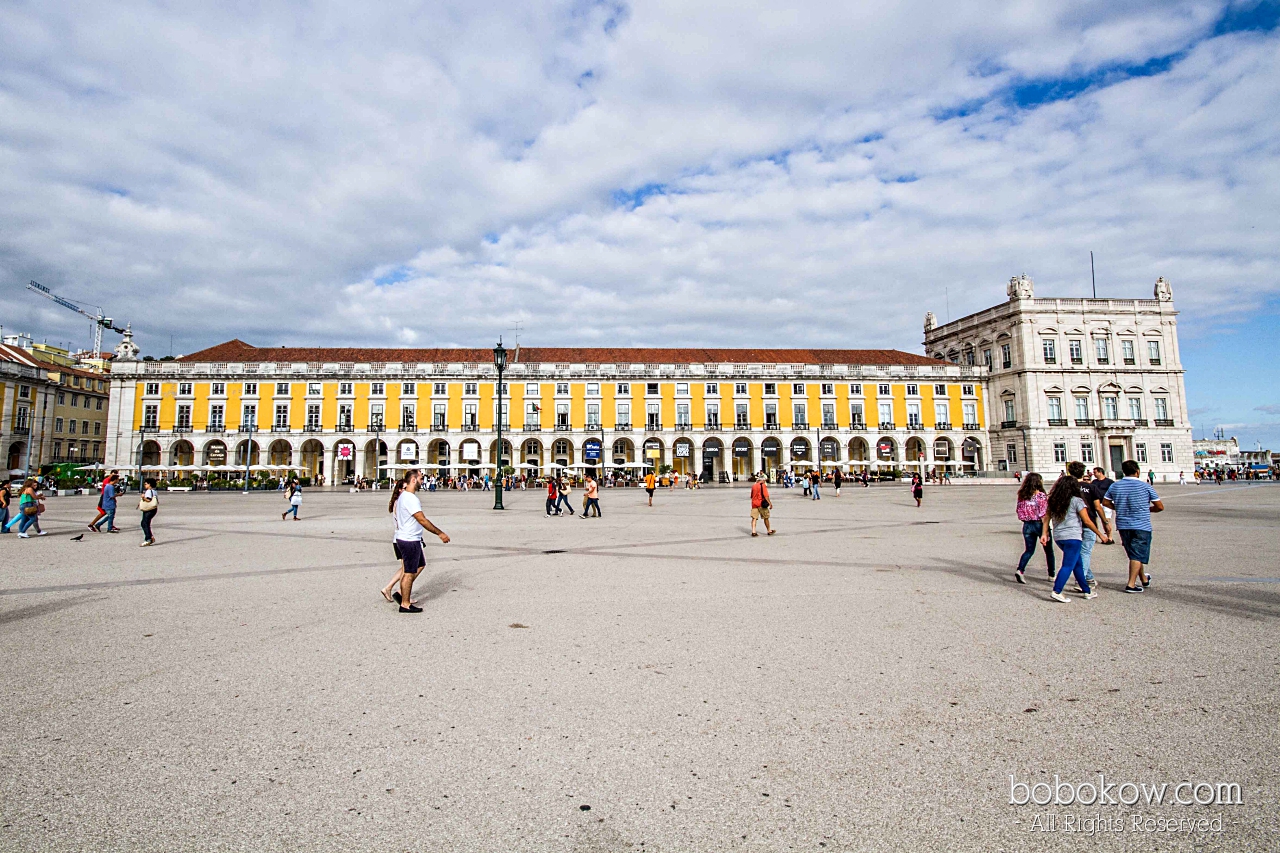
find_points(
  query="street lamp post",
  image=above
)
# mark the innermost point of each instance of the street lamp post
(500, 362)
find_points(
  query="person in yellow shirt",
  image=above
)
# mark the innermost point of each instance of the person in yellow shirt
(650, 483)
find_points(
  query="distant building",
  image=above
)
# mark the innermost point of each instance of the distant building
(1095, 380)
(1217, 452)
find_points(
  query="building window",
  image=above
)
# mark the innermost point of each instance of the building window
(1076, 350)
(1126, 352)
(624, 414)
(651, 389)
(740, 388)
(562, 388)
(345, 416)
(828, 388)
(471, 389)
(828, 415)
(313, 389)
(682, 389)
(1086, 451)
(150, 417)
(1009, 415)
(1011, 453)
(1055, 408)
(217, 389)
(1140, 451)
(593, 414)
(653, 417)
(438, 415)
(377, 389)
(713, 415)
(1135, 408)
(24, 392)
(501, 414)
(1102, 350)
(469, 416)
(797, 388)
(376, 419)
(1006, 356)
(886, 415)
(407, 417)
(217, 418)
(882, 390)
(282, 389)
(1082, 408)
(1166, 452)
(1059, 451)
(57, 450)
(152, 389)
(562, 415)
(771, 415)
(530, 389)
(1153, 352)
(98, 404)
(986, 357)
(799, 416)
(624, 389)
(713, 389)
(185, 389)
(57, 424)
(184, 417)
(940, 390)
(682, 415)
(855, 415)
(770, 389)
(913, 416)
(966, 390)
(913, 390)
(313, 416)
(1162, 409)
(1110, 408)
(856, 390)
(97, 427)
(1050, 351)
(941, 413)
(282, 416)
(740, 419)
(408, 389)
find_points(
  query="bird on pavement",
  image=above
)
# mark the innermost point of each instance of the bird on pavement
(77, 538)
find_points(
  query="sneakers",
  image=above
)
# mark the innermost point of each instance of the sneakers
(42, 533)
(1133, 589)
(1057, 596)
(1090, 594)
(24, 535)
(1019, 577)
(1146, 582)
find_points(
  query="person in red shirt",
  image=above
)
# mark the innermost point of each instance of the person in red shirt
(553, 497)
(760, 504)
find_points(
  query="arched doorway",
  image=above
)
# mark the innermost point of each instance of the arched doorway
(182, 453)
(623, 451)
(17, 455)
(829, 449)
(799, 450)
(407, 452)
(743, 459)
(562, 452)
(312, 458)
(438, 452)
(151, 453)
(375, 459)
(971, 452)
(656, 459)
(469, 457)
(682, 456)
(247, 453)
(344, 461)
(531, 454)
(593, 455)
(712, 460)
(280, 453)
(858, 450)
(215, 453)
(886, 450)
(507, 455)
(916, 456)
(770, 454)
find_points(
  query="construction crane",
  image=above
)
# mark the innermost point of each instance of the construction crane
(100, 321)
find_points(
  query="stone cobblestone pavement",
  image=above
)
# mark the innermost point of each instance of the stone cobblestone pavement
(655, 680)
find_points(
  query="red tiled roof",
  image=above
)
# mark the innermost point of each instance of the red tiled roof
(20, 356)
(239, 351)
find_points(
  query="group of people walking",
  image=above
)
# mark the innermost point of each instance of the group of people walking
(559, 489)
(1077, 514)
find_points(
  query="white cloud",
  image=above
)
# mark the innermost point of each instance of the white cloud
(433, 175)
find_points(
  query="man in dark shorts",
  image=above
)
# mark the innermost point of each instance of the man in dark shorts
(650, 483)
(410, 525)
(1134, 500)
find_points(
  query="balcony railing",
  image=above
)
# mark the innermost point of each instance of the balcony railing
(1057, 422)
(533, 427)
(563, 427)
(653, 426)
(1155, 362)
(772, 425)
(439, 427)
(243, 428)
(683, 427)
(712, 426)
(914, 423)
(344, 428)
(857, 426)
(471, 427)
(972, 427)
(312, 427)
(829, 425)
(622, 427)
(1008, 424)
(1084, 422)
(281, 428)
(182, 430)
(1163, 422)
(215, 429)
(742, 425)
(1050, 360)
(21, 429)
(1130, 361)
(1077, 360)
(942, 425)
(887, 425)
(410, 429)
(1139, 422)
(800, 426)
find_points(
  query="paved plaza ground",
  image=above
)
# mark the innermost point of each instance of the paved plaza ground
(655, 680)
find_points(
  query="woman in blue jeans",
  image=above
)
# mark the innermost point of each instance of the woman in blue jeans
(1032, 505)
(1069, 517)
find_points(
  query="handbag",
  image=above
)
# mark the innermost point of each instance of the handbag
(148, 504)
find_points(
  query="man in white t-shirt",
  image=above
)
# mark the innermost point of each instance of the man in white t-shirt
(410, 525)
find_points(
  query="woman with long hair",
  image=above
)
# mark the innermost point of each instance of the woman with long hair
(1069, 516)
(1032, 505)
(391, 592)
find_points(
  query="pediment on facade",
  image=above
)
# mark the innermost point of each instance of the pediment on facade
(1160, 389)
(1152, 333)
(1006, 393)
(1082, 389)
(1133, 389)
(1053, 389)
(1109, 386)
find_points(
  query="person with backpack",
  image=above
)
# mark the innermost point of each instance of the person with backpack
(295, 501)
(760, 504)
(149, 505)
(565, 489)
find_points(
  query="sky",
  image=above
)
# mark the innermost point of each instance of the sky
(665, 173)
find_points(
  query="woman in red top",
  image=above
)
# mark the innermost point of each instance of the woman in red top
(760, 504)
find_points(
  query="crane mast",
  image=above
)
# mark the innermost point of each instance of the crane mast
(100, 320)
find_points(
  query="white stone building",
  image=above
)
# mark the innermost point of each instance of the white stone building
(1098, 380)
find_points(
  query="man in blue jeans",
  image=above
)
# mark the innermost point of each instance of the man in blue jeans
(108, 509)
(1134, 500)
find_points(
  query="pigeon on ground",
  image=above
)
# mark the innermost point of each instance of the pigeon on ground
(77, 538)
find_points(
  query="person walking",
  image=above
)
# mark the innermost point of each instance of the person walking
(760, 504)
(295, 501)
(411, 524)
(565, 490)
(1151, 477)
(29, 508)
(108, 516)
(917, 488)
(1134, 501)
(837, 480)
(591, 489)
(149, 504)
(5, 500)
(553, 497)
(110, 478)
(815, 478)
(1182, 478)
(1068, 515)
(1032, 505)
(650, 483)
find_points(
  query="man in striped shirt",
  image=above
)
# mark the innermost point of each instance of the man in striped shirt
(1134, 500)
